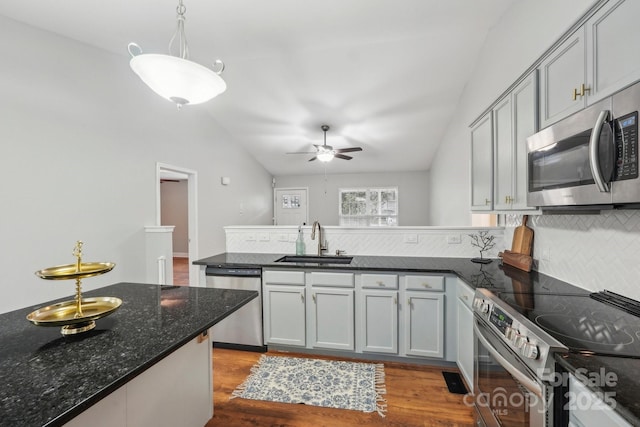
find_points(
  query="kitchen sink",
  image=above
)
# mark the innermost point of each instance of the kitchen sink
(316, 259)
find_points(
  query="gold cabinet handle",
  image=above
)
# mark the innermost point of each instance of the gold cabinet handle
(395, 301)
(466, 297)
(426, 285)
(508, 199)
(302, 297)
(380, 283)
(583, 90)
(313, 297)
(487, 201)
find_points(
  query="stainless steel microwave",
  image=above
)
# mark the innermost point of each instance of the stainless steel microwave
(589, 159)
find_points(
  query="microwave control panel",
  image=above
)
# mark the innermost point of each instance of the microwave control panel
(627, 147)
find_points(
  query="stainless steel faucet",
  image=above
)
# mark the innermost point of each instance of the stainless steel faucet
(321, 246)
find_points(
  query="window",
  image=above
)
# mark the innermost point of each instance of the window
(368, 207)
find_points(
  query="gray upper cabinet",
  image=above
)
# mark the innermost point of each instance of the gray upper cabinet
(481, 164)
(503, 157)
(563, 80)
(599, 59)
(613, 59)
(524, 101)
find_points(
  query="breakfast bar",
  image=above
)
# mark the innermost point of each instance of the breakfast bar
(49, 379)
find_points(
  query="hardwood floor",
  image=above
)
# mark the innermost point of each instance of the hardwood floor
(181, 271)
(416, 396)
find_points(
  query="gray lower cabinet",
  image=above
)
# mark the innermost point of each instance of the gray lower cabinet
(331, 318)
(378, 331)
(589, 409)
(424, 324)
(284, 308)
(464, 357)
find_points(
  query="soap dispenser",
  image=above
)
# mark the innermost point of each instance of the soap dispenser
(300, 243)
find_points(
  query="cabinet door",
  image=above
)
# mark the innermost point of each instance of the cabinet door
(379, 321)
(503, 160)
(465, 342)
(481, 165)
(560, 74)
(525, 124)
(332, 319)
(284, 315)
(424, 324)
(612, 49)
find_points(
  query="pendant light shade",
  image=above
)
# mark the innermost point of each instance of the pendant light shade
(176, 78)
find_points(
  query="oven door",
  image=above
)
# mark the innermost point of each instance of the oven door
(507, 393)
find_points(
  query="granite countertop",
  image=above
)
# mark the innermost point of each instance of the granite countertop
(476, 275)
(623, 387)
(48, 378)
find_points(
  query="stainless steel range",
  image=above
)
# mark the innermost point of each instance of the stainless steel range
(514, 365)
(519, 331)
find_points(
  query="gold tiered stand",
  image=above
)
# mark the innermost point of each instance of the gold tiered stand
(78, 315)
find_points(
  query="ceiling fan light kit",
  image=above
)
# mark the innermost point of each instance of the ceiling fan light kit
(176, 78)
(326, 153)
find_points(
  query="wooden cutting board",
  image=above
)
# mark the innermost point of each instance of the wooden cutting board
(522, 238)
(522, 261)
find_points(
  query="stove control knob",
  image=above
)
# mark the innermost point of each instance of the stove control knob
(530, 350)
(519, 340)
(509, 333)
(484, 308)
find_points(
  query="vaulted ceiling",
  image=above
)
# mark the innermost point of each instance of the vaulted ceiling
(386, 75)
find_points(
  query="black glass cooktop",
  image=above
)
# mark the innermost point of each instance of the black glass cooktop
(574, 317)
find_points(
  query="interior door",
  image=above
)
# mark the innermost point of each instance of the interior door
(290, 206)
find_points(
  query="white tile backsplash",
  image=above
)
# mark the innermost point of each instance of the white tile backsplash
(396, 241)
(595, 252)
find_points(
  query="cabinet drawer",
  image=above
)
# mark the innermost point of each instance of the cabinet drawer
(379, 281)
(279, 277)
(322, 278)
(425, 283)
(465, 293)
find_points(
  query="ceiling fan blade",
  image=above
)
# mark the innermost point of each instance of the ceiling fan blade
(342, 156)
(348, 150)
(313, 158)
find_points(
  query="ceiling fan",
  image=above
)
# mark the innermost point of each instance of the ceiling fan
(325, 153)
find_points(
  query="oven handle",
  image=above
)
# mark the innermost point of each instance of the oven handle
(522, 378)
(594, 145)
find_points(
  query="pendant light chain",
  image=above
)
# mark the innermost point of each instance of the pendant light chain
(180, 33)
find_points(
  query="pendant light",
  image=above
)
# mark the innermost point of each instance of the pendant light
(175, 77)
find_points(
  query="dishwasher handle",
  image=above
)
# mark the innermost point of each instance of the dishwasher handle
(233, 272)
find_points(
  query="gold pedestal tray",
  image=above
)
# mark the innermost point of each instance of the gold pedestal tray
(78, 315)
(64, 314)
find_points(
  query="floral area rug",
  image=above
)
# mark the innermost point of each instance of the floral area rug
(328, 383)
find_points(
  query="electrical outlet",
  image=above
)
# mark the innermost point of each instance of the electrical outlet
(264, 237)
(293, 237)
(251, 237)
(411, 238)
(546, 254)
(454, 239)
(283, 237)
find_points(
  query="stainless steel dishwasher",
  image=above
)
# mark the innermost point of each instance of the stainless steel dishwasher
(242, 329)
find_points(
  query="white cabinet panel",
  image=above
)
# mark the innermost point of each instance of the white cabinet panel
(332, 318)
(586, 409)
(379, 281)
(561, 75)
(481, 165)
(424, 282)
(284, 315)
(325, 278)
(379, 321)
(424, 324)
(503, 160)
(612, 48)
(465, 333)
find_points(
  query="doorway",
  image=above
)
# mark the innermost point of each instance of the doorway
(176, 197)
(290, 206)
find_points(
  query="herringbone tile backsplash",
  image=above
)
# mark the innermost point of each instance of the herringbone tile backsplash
(595, 252)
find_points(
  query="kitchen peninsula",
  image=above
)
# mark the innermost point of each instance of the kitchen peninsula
(49, 379)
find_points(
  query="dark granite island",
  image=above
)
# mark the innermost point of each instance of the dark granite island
(49, 379)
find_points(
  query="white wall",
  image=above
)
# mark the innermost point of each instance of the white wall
(174, 211)
(526, 31)
(413, 193)
(80, 137)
